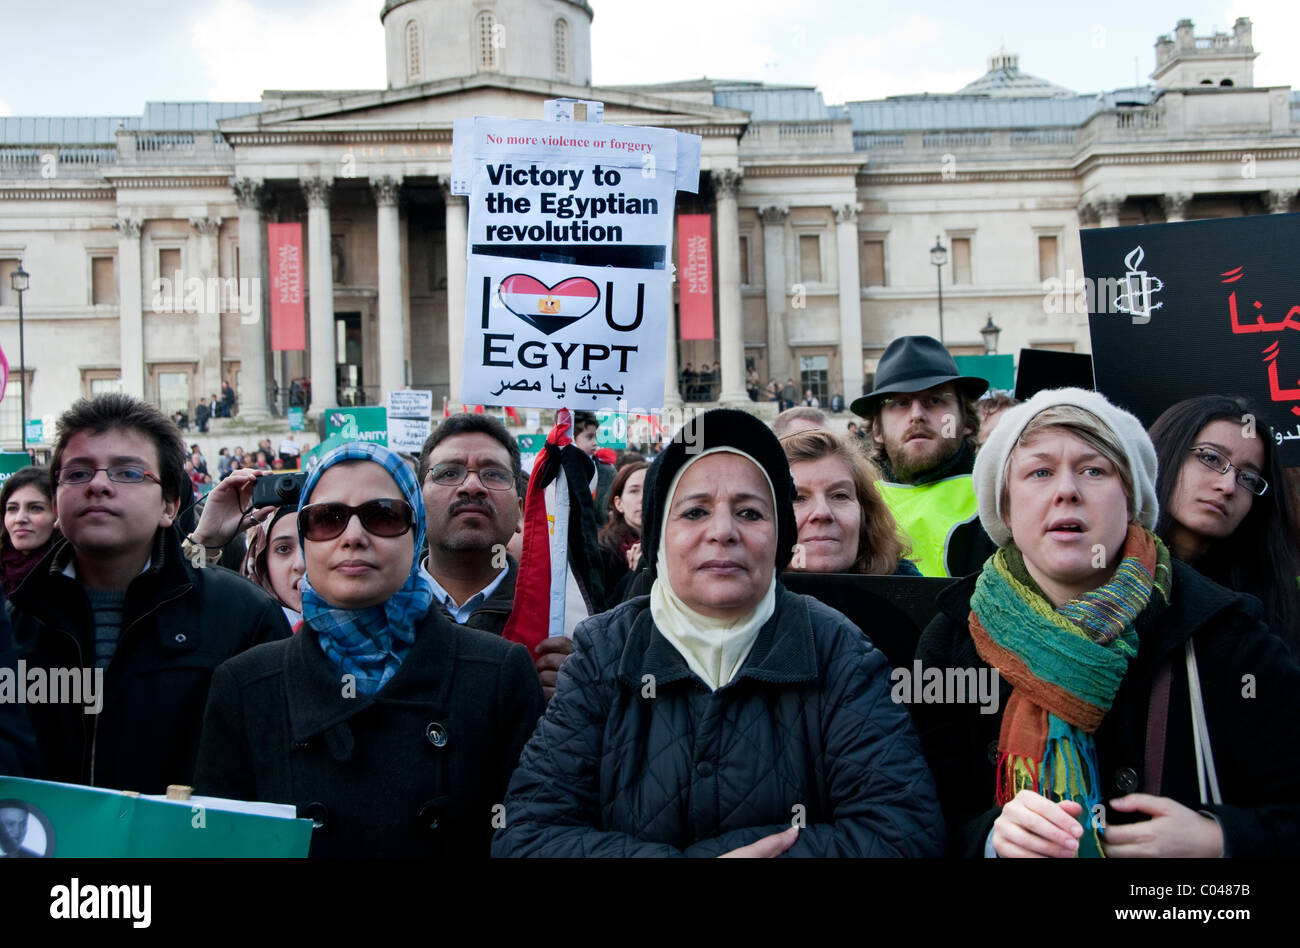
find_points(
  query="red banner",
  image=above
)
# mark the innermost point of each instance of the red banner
(284, 255)
(695, 275)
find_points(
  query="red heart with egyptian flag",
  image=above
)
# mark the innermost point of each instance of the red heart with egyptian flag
(548, 308)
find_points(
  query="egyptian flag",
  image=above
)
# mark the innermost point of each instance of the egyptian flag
(529, 620)
(549, 308)
(513, 416)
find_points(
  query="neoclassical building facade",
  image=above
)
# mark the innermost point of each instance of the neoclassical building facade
(139, 232)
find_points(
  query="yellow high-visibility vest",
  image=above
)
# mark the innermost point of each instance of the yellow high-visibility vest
(928, 514)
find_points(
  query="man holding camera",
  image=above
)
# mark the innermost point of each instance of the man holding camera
(118, 603)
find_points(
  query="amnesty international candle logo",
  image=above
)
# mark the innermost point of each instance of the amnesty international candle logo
(569, 288)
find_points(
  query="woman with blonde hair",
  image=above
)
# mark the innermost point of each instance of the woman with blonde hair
(845, 526)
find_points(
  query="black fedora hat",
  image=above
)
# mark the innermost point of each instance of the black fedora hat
(913, 364)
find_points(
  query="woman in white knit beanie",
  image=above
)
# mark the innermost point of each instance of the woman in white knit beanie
(1094, 633)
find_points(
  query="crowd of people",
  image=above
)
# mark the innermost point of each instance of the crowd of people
(355, 649)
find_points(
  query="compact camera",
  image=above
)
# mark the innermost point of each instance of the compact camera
(278, 490)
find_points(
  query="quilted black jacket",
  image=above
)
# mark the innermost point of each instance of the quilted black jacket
(636, 757)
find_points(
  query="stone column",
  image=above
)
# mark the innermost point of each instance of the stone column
(130, 309)
(846, 234)
(457, 247)
(392, 350)
(672, 394)
(253, 389)
(1175, 206)
(731, 342)
(320, 276)
(1279, 202)
(778, 342)
(1108, 209)
(208, 319)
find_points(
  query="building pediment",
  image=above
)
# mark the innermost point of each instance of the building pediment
(434, 106)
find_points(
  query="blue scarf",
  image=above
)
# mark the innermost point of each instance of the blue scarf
(370, 643)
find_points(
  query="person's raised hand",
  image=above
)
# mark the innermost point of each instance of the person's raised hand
(1173, 830)
(224, 510)
(769, 847)
(1032, 825)
(633, 555)
(551, 653)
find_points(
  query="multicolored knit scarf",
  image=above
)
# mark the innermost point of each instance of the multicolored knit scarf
(1065, 666)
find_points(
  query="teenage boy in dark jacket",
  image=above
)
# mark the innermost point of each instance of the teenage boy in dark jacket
(117, 602)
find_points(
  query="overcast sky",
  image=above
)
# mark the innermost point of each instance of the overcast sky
(89, 57)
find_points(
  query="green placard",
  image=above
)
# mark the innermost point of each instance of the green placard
(530, 444)
(998, 370)
(64, 820)
(613, 430)
(35, 431)
(11, 462)
(295, 419)
(358, 424)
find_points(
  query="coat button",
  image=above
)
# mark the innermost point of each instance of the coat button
(437, 734)
(427, 818)
(1126, 780)
(993, 753)
(319, 815)
(704, 768)
(180, 638)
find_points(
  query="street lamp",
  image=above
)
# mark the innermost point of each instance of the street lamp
(938, 257)
(990, 332)
(19, 280)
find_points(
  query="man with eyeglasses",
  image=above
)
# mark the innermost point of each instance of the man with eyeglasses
(117, 602)
(471, 481)
(922, 419)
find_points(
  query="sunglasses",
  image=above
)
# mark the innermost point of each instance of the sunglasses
(382, 518)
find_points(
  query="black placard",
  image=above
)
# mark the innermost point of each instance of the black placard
(1199, 308)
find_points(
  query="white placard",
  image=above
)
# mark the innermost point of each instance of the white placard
(407, 434)
(410, 403)
(568, 279)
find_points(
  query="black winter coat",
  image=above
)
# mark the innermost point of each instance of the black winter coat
(178, 624)
(1251, 691)
(17, 746)
(492, 613)
(414, 770)
(636, 757)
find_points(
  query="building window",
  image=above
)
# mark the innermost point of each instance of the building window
(103, 291)
(871, 262)
(562, 48)
(174, 393)
(488, 34)
(810, 258)
(1048, 269)
(11, 417)
(744, 259)
(961, 260)
(412, 51)
(7, 295)
(814, 376)
(100, 381)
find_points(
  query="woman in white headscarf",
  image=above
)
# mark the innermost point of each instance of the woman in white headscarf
(721, 714)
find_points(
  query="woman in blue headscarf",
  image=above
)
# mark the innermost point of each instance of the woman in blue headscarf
(393, 729)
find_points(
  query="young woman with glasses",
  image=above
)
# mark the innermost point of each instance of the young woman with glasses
(394, 729)
(1224, 506)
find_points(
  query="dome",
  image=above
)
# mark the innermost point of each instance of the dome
(1005, 79)
(431, 40)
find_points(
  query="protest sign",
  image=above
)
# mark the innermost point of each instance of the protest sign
(1199, 308)
(66, 820)
(529, 447)
(296, 419)
(569, 287)
(358, 424)
(612, 432)
(11, 462)
(998, 370)
(409, 415)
